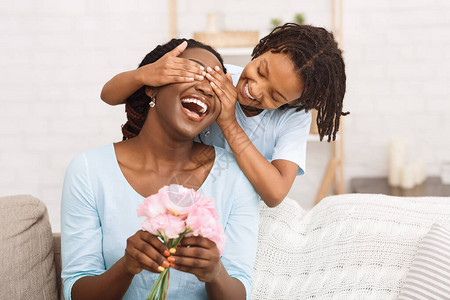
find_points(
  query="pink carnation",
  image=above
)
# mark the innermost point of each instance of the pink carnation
(178, 199)
(151, 207)
(204, 221)
(219, 238)
(165, 224)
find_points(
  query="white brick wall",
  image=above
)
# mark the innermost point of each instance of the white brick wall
(398, 83)
(55, 56)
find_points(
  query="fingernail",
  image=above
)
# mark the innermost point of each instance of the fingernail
(161, 269)
(202, 68)
(212, 84)
(209, 69)
(208, 76)
(217, 68)
(200, 77)
(173, 250)
(166, 264)
(204, 73)
(191, 79)
(171, 259)
(166, 253)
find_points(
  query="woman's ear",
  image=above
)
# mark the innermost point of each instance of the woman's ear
(150, 91)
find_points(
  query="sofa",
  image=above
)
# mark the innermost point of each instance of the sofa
(354, 246)
(351, 246)
(30, 254)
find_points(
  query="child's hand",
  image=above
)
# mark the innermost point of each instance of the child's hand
(170, 69)
(223, 87)
(199, 256)
(145, 251)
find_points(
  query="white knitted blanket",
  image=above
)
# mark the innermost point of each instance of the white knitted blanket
(354, 246)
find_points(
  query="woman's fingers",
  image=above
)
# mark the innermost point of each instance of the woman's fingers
(147, 251)
(197, 247)
(198, 256)
(197, 241)
(144, 261)
(154, 241)
(189, 262)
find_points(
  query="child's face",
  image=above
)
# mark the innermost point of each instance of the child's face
(269, 81)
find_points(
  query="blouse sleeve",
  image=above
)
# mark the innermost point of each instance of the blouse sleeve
(293, 130)
(81, 234)
(242, 232)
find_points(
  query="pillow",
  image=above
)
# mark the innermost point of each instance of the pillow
(429, 276)
(26, 256)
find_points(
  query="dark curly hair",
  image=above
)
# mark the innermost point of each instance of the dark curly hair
(137, 105)
(319, 64)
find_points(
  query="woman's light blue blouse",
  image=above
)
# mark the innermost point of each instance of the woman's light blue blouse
(99, 214)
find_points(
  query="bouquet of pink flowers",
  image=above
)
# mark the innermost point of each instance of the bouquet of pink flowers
(176, 212)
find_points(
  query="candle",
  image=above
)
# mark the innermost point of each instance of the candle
(408, 176)
(421, 175)
(395, 175)
(445, 172)
(396, 160)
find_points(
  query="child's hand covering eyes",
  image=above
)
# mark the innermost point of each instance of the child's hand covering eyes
(171, 69)
(226, 92)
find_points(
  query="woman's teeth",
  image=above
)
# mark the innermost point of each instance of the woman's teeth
(203, 106)
(247, 92)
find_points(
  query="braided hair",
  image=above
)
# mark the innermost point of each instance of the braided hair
(319, 64)
(138, 104)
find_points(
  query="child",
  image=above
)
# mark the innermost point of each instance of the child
(293, 69)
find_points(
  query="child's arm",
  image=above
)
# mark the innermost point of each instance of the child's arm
(272, 180)
(168, 69)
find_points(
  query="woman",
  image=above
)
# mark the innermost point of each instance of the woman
(264, 119)
(103, 255)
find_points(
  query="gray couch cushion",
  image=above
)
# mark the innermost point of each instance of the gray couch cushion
(26, 256)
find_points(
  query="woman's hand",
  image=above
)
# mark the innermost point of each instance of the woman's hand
(223, 87)
(199, 256)
(145, 251)
(170, 69)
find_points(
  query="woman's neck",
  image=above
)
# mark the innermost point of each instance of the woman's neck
(159, 156)
(160, 152)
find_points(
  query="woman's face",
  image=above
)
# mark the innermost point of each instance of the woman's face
(269, 81)
(189, 108)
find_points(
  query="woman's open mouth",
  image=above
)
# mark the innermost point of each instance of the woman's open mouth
(194, 108)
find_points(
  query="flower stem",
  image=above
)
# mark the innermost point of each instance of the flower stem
(158, 291)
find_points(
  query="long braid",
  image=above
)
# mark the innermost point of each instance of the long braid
(319, 64)
(137, 105)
